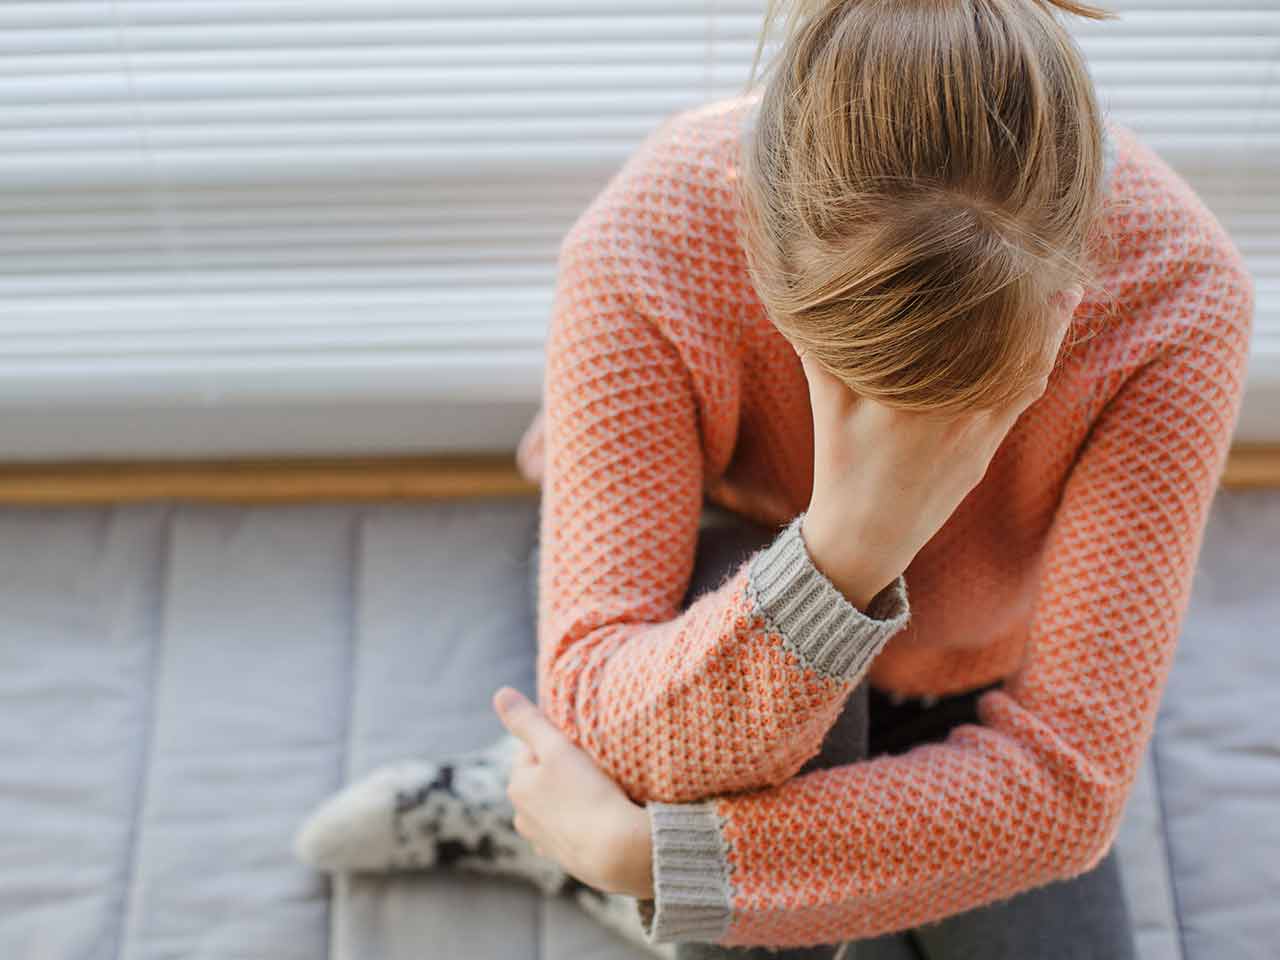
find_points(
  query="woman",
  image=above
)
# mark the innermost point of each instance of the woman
(853, 306)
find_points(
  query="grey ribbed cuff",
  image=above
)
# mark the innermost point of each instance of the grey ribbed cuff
(692, 900)
(815, 620)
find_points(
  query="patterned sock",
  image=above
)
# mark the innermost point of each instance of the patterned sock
(422, 815)
(451, 814)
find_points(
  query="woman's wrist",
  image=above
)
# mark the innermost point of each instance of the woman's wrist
(632, 871)
(846, 568)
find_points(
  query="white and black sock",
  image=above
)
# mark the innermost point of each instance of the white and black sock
(452, 814)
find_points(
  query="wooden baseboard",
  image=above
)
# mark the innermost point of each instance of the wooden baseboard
(1253, 465)
(265, 481)
(401, 478)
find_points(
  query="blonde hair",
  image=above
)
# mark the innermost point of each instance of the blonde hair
(922, 177)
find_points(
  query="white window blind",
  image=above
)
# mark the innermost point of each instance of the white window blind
(306, 226)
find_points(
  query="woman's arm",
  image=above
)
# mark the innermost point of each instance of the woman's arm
(1036, 792)
(739, 690)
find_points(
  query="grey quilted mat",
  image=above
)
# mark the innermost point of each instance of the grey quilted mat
(180, 684)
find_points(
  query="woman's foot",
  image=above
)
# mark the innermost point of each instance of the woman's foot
(456, 813)
(421, 816)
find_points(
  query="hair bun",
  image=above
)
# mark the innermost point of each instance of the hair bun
(795, 12)
(803, 9)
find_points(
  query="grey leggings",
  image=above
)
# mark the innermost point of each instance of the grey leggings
(1083, 918)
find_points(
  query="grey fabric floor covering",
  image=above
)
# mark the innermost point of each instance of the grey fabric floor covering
(181, 683)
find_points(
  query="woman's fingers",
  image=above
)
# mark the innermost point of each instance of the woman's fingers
(828, 391)
(523, 719)
(825, 390)
(525, 829)
(998, 421)
(1064, 303)
(1068, 299)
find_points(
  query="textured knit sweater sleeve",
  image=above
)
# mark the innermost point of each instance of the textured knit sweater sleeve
(1035, 792)
(738, 690)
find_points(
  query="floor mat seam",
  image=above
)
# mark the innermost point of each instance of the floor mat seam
(1167, 844)
(355, 538)
(159, 606)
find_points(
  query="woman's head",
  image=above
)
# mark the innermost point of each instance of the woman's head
(922, 179)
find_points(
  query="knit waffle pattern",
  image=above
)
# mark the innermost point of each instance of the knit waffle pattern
(1065, 574)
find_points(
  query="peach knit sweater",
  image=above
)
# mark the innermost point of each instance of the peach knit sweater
(1065, 573)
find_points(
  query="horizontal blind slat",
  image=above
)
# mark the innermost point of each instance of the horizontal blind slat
(641, 104)
(65, 13)
(1106, 53)
(355, 31)
(218, 282)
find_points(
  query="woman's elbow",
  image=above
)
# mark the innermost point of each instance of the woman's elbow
(1096, 827)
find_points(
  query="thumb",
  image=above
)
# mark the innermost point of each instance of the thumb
(521, 717)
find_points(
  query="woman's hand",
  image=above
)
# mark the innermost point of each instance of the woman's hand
(886, 480)
(569, 809)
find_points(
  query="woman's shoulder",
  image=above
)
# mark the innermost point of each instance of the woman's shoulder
(1166, 269)
(677, 187)
(699, 142)
(1156, 232)
(1152, 209)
